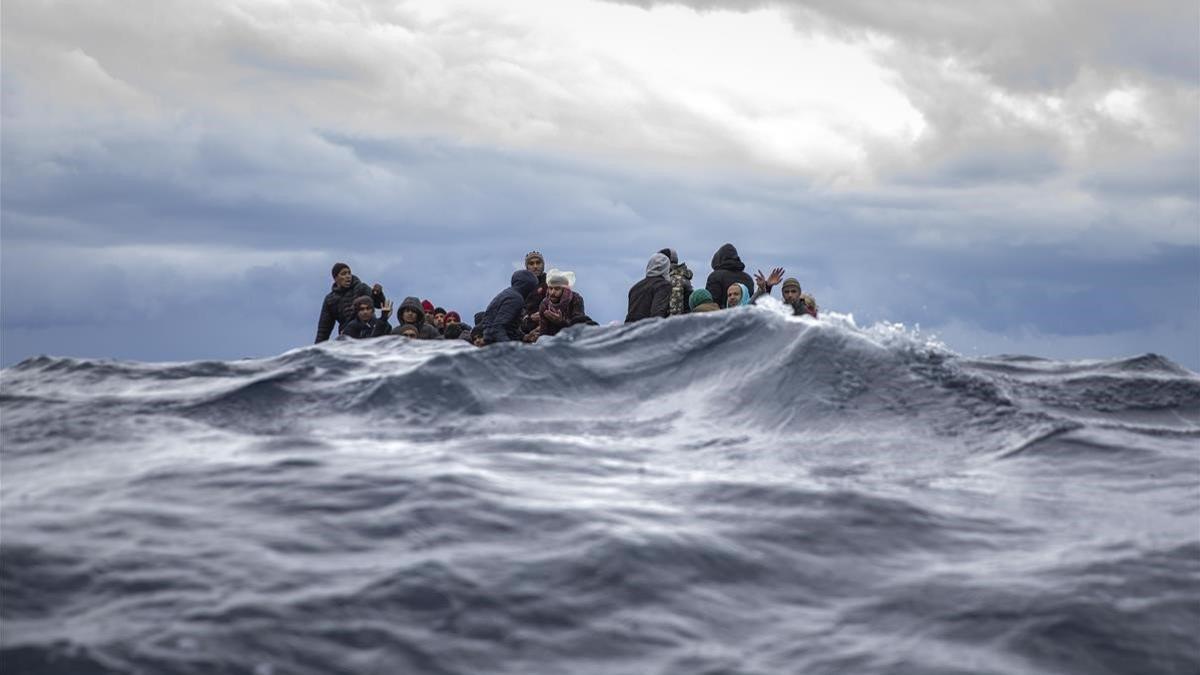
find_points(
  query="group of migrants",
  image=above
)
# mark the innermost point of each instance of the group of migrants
(541, 303)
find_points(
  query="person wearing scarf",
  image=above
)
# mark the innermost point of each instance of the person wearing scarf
(561, 307)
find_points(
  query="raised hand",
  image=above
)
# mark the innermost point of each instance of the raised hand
(776, 276)
(387, 308)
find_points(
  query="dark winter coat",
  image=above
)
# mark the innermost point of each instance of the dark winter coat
(424, 330)
(651, 296)
(532, 302)
(339, 306)
(569, 312)
(371, 329)
(728, 269)
(502, 318)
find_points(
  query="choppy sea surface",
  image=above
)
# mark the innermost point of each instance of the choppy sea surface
(738, 492)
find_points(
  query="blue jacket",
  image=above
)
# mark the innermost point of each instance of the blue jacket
(502, 318)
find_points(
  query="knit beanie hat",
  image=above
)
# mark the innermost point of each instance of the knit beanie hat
(427, 306)
(699, 297)
(560, 278)
(534, 255)
(791, 282)
(453, 315)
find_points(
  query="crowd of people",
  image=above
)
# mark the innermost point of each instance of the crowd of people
(541, 303)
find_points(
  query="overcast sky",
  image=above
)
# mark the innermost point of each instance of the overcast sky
(178, 177)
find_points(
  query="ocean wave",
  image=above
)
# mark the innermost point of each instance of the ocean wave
(736, 492)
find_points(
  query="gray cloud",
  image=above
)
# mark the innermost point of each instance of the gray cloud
(457, 238)
(1020, 45)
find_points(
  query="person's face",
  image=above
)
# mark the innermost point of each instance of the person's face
(344, 277)
(439, 320)
(791, 295)
(450, 321)
(536, 265)
(408, 316)
(555, 293)
(478, 341)
(409, 333)
(733, 297)
(365, 313)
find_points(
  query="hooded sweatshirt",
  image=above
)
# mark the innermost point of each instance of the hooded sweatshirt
(424, 330)
(651, 296)
(502, 318)
(745, 296)
(728, 269)
(338, 306)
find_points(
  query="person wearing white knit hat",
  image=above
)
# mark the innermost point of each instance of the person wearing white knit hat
(561, 307)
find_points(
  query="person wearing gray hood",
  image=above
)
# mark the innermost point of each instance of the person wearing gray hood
(651, 296)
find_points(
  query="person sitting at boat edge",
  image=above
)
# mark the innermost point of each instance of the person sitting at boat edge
(702, 301)
(561, 307)
(365, 325)
(728, 269)
(504, 314)
(651, 296)
(681, 284)
(413, 314)
(338, 305)
(737, 296)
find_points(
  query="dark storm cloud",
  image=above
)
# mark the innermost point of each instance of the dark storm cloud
(457, 241)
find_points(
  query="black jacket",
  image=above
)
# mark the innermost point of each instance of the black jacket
(502, 318)
(532, 302)
(728, 270)
(374, 328)
(648, 298)
(424, 330)
(339, 306)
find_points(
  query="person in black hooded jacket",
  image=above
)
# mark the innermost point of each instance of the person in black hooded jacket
(412, 314)
(503, 316)
(651, 296)
(728, 269)
(365, 325)
(339, 304)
